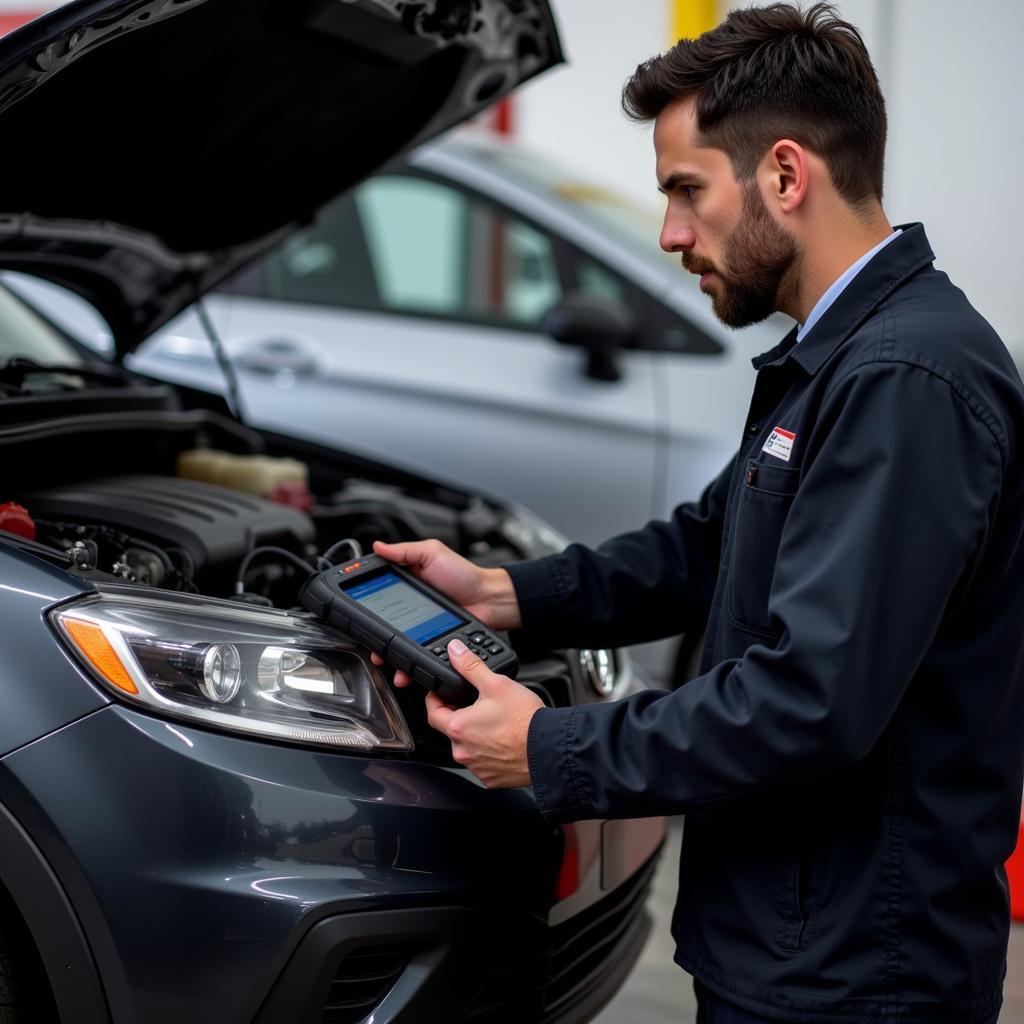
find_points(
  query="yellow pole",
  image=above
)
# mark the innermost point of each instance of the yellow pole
(689, 18)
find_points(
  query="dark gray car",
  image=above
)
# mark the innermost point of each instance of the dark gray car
(212, 806)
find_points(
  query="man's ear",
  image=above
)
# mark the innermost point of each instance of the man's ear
(787, 170)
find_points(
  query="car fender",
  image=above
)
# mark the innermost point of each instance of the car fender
(54, 926)
(41, 687)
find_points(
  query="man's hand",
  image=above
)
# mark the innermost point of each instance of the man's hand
(488, 737)
(487, 594)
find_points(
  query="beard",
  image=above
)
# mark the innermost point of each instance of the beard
(760, 256)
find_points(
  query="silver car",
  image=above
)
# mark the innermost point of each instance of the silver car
(418, 320)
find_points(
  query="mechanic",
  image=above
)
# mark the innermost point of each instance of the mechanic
(850, 757)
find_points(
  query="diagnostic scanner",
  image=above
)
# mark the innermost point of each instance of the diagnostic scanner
(405, 621)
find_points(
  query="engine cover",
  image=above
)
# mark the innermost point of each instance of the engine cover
(213, 524)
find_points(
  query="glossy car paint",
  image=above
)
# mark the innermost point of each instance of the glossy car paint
(42, 689)
(168, 871)
(239, 848)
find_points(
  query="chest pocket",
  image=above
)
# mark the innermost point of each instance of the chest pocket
(766, 494)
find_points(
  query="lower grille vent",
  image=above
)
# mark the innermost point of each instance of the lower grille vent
(363, 979)
(581, 951)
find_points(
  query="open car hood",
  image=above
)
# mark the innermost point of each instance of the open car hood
(156, 146)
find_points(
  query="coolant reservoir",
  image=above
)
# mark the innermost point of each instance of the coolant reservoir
(279, 479)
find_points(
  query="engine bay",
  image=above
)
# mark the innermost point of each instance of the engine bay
(197, 537)
(116, 497)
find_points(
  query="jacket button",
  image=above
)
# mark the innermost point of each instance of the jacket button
(753, 430)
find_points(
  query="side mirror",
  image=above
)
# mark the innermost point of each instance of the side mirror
(598, 325)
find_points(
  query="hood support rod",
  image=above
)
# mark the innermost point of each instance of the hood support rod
(234, 396)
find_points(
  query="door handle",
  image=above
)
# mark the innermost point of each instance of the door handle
(276, 355)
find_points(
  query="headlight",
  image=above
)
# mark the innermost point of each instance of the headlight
(250, 670)
(600, 670)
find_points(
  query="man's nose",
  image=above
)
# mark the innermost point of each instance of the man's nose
(676, 234)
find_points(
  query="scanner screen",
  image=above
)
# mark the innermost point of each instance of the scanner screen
(405, 608)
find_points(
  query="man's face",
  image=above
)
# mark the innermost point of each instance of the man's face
(721, 226)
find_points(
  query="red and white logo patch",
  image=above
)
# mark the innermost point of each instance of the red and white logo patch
(780, 444)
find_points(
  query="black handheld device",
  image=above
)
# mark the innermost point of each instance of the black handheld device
(406, 621)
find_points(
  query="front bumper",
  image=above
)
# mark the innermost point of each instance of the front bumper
(451, 964)
(220, 879)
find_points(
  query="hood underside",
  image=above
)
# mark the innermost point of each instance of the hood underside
(156, 146)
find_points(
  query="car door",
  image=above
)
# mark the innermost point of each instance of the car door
(705, 386)
(695, 403)
(406, 325)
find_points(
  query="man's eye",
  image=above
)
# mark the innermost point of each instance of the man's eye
(688, 190)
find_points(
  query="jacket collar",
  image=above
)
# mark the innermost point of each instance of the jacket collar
(779, 353)
(885, 272)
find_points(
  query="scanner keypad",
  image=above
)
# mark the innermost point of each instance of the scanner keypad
(482, 645)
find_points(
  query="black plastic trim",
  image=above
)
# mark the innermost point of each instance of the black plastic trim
(455, 951)
(134, 421)
(618, 969)
(439, 979)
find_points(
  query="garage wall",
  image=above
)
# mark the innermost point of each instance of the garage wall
(956, 147)
(952, 79)
(572, 112)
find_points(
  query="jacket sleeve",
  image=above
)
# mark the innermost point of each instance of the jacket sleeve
(900, 478)
(639, 586)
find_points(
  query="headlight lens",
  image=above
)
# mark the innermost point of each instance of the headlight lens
(222, 673)
(251, 670)
(600, 670)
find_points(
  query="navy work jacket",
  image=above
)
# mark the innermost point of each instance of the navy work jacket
(850, 758)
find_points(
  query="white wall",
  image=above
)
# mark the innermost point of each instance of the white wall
(953, 80)
(572, 113)
(956, 149)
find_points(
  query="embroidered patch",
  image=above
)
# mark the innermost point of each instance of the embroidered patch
(780, 444)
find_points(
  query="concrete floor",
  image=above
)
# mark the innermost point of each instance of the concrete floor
(659, 992)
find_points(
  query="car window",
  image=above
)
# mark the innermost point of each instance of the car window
(406, 244)
(328, 263)
(416, 234)
(24, 333)
(594, 279)
(661, 328)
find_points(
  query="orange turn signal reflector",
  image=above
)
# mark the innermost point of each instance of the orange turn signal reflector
(90, 640)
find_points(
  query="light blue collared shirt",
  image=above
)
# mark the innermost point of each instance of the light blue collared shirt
(834, 291)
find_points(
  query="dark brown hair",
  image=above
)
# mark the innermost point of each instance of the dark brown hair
(775, 72)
